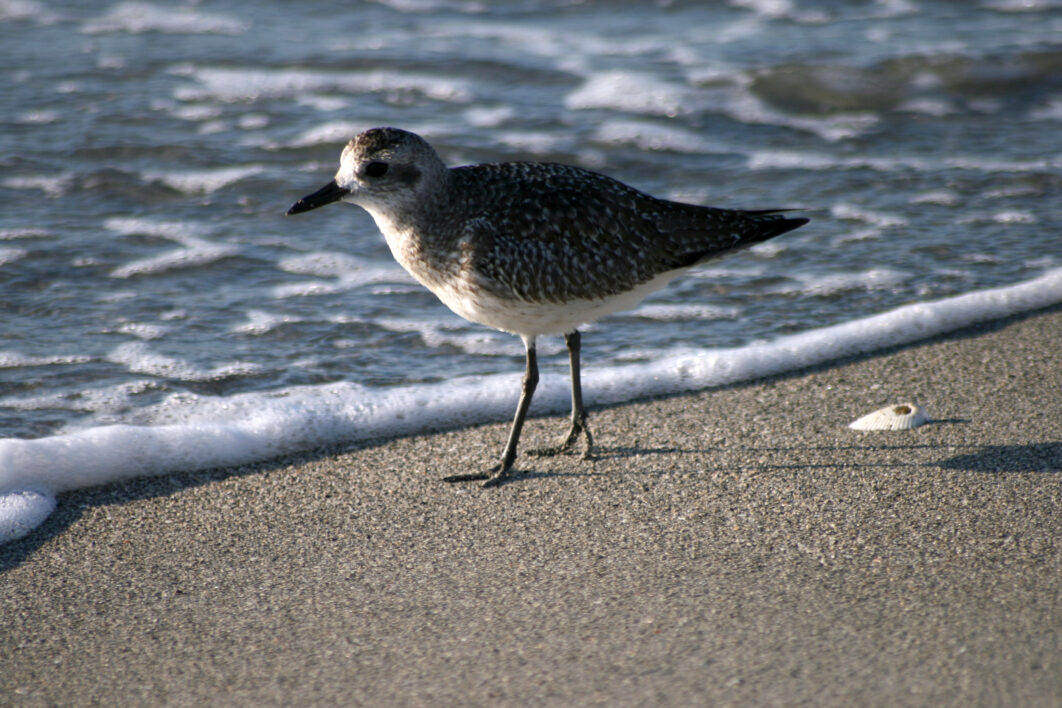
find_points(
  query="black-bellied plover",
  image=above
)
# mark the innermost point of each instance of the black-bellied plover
(530, 248)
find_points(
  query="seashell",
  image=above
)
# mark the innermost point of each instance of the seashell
(902, 416)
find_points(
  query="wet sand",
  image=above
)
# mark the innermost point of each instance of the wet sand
(735, 546)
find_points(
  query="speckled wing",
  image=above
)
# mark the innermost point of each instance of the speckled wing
(555, 233)
(694, 234)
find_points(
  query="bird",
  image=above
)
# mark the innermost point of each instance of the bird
(531, 248)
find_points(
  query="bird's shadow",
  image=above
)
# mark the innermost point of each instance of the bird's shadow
(616, 452)
(1030, 458)
(600, 453)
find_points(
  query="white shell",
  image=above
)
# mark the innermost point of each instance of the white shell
(902, 416)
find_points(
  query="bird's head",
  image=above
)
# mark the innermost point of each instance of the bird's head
(383, 170)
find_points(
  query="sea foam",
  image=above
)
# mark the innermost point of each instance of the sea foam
(138, 18)
(196, 432)
(237, 85)
(204, 181)
(195, 250)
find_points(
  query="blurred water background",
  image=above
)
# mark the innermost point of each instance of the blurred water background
(148, 152)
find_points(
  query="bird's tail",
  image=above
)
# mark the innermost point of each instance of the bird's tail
(702, 233)
(769, 223)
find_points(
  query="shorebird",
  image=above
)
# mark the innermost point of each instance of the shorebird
(530, 248)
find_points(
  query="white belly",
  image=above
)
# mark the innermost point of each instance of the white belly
(532, 319)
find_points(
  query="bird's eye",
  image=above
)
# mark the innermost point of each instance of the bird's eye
(376, 169)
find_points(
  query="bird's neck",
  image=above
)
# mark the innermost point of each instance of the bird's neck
(415, 240)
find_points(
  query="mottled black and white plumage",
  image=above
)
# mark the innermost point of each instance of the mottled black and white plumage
(530, 248)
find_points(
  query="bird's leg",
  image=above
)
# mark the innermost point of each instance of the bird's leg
(494, 475)
(578, 423)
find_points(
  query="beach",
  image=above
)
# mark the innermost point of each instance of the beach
(735, 546)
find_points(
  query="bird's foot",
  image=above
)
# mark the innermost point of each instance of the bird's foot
(567, 443)
(491, 478)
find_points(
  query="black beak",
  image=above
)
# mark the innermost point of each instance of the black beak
(327, 194)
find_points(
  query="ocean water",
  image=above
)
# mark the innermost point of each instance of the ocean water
(149, 281)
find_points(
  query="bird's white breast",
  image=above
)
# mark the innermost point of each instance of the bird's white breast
(531, 319)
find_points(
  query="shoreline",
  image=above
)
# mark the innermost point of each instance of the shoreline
(739, 544)
(251, 428)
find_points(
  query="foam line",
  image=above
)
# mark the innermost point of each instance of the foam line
(219, 432)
